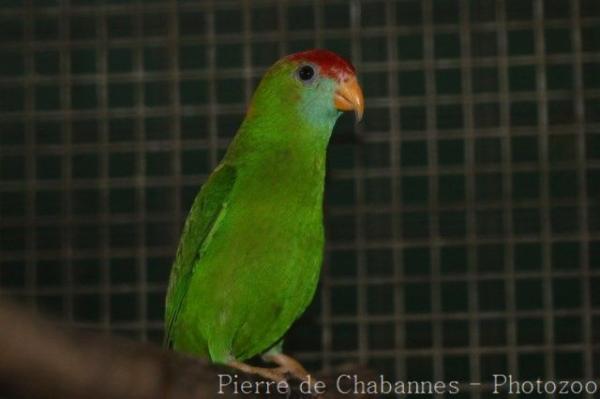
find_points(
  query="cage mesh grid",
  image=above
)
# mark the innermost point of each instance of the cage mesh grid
(462, 216)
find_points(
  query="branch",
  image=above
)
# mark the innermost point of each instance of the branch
(39, 360)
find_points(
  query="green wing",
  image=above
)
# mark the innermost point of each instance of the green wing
(207, 209)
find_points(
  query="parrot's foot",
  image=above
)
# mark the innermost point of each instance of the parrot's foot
(275, 374)
(288, 364)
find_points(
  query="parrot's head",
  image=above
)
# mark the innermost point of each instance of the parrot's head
(316, 85)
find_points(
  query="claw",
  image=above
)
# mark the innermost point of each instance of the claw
(289, 365)
(274, 374)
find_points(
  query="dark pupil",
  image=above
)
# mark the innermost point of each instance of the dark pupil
(306, 72)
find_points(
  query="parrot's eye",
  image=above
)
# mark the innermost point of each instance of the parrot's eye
(306, 73)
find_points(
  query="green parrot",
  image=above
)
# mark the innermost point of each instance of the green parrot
(250, 253)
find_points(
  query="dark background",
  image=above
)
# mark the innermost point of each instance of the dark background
(463, 213)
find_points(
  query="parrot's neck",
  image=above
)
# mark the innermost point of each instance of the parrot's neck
(281, 139)
(286, 152)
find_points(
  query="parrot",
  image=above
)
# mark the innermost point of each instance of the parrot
(251, 248)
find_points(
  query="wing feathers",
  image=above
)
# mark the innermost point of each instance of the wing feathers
(207, 210)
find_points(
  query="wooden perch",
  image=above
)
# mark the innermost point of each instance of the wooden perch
(39, 360)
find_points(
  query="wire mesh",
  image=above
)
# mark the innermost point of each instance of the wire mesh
(462, 215)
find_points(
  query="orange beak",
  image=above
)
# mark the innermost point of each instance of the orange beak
(349, 97)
